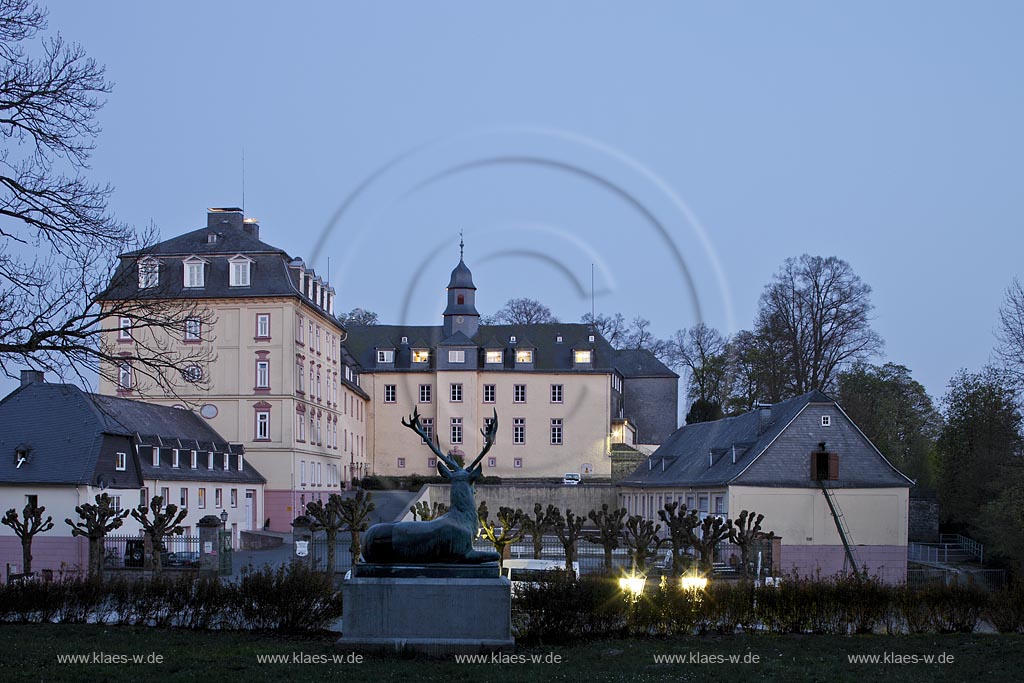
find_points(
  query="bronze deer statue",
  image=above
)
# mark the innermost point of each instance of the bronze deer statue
(448, 538)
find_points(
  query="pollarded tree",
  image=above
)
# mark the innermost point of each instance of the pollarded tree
(641, 538)
(355, 512)
(508, 521)
(569, 530)
(326, 517)
(26, 528)
(98, 520)
(609, 530)
(425, 512)
(745, 532)
(166, 521)
(713, 530)
(537, 525)
(681, 525)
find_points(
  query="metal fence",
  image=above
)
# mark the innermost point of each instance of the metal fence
(918, 577)
(130, 552)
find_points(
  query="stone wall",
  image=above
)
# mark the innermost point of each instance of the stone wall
(924, 520)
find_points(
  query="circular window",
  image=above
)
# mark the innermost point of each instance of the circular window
(209, 411)
(192, 373)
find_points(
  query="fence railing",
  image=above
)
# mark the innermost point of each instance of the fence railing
(130, 552)
(969, 545)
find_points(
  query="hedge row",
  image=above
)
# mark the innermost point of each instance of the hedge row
(290, 598)
(565, 609)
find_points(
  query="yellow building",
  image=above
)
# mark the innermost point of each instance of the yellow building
(562, 394)
(275, 380)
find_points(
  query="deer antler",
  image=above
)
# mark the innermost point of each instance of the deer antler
(489, 435)
(413, 423)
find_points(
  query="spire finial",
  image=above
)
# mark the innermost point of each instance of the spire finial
(462, 246)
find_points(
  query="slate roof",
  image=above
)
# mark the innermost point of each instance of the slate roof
(549, 354)
(461, 277)
(269, 274)
(67, 428)
(683, 460)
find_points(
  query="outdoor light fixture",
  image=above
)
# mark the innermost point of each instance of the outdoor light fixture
(224, 517)
(633, 585)
(694, 582)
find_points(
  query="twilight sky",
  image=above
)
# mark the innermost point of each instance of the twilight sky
(684, 149)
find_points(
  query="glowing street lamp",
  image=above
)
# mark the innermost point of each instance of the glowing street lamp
(633, 585)
(694, 582)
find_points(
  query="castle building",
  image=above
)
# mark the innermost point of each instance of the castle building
(563, 395)
(277, 380)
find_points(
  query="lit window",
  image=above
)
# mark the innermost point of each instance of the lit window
(425, 396)
(193, 329)
(524, 356)
(122, 462)
(149, 273)
(262, 426)
(124, 328)
(556, 393)
(489, 393)
(202, 497)
(519, 393)
(457, 356)
(263, 325)
(519, 430)
(390, 393)
(385, 356)
(581, 356)
(239, 276)
(428, 428)
(456, 430)
(262, 374)
(420, 355)
(493, 357)
(826, 420)
(195, 270)
(456, 393)
(556, 431)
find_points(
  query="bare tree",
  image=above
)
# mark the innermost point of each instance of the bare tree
(612, 327)
(1010, 332)
(58, 242)
(26, 528)
(609, 523)
(705, 354)
(355, 513)
(522, 311)
(818, 310)
(326, 517)
(98, 519)
(166, 521)
(360, 316)
(641, 538)
(569, 530)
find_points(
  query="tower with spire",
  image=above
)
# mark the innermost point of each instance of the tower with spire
(461, 314)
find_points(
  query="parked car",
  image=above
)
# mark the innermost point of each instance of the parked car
(135, 554)
(187, 558)
(571, 479)
(529, 572)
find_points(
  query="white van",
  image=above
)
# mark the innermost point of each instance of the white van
(571, 478)
(524, 572)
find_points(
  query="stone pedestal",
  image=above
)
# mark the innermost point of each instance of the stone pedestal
(398, 609)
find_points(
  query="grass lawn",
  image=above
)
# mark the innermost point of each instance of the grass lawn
(30, 653)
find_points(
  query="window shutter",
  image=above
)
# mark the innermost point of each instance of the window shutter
(833, 465)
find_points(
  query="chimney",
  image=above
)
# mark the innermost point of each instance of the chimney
(219, 218)
(251, 226)
(31, 377)
(764, 417)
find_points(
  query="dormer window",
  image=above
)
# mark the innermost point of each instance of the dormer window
(591, 339)
(239, 267)
(211, 238)
(385, 355)
(195, 272)
(512, 339)
(420, 355)
(524, 356)
(405, 340)
(581, 356)
(149, 273)
(558, 339)
(493, 357)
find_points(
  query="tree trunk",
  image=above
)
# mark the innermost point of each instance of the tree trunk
(354, 548)
(538, 546)
(26, 554)
(96, 558)
(608, 557)
(154, 556)
(332, 542)
(570, 555)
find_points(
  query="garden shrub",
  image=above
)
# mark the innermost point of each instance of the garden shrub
(1005, 610)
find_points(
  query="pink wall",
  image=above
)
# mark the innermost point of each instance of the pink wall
(58, 553)
(283, 505)
(888, 562)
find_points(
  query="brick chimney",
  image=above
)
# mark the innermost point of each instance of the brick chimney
(219, 218)
(31, 377)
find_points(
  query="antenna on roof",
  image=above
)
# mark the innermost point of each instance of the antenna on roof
(593, 308)
(243, 181)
